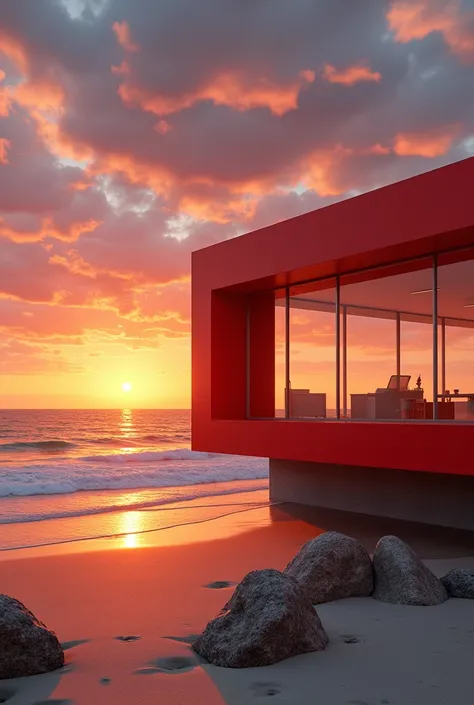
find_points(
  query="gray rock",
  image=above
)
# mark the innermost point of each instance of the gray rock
(27, 647)
(401, 578)
(332, 566)
(268, 618)
(459, 582)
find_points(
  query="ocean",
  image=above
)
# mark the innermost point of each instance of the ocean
(65, 465)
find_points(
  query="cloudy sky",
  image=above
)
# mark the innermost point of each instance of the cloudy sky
(132, 132)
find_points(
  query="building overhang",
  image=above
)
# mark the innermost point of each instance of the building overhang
(415, 218)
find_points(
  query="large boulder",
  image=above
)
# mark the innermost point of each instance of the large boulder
(459, 582)
(269, 618)
(332, 566)
(402, 578)
(27, 646)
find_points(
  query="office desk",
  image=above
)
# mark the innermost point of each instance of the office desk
(304, 403)
(386, 404)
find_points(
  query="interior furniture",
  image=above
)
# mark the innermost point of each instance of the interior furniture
(304, 403)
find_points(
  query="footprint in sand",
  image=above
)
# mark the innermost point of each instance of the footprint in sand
(187, 639)
(171, 664)
(56, 701)
(350, 639)
(265, 690)
(6, 693)
(71, 644)
(220, 584)
(384, 701)
(127, 638)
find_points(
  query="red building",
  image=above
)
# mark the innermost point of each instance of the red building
(340, 344)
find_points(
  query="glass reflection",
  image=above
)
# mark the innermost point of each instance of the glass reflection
(456, 336)
(312, 374)
(387, 359)
(280, 311)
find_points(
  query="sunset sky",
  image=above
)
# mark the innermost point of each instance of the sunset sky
(132, 133)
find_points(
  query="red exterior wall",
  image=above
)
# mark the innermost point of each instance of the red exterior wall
(232, 290)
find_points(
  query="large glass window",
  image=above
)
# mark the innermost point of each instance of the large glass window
(312, 373)
(456, 336)
(280, 348)
(363, 347)
(387, 342)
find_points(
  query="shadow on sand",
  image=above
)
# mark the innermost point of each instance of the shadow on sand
(428, 541)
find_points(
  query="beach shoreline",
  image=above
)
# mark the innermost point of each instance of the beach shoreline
(157, 591)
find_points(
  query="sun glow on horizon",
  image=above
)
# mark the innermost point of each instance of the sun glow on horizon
(127, 387)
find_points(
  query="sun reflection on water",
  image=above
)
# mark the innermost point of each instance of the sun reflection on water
(126, 424)
(127, 431)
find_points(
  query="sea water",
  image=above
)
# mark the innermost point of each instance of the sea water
(58, 464)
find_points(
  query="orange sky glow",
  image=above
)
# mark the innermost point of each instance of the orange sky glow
(125, 145)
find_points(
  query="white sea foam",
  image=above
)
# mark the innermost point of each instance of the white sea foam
(174, 468)
(60, 464)
(151, 456)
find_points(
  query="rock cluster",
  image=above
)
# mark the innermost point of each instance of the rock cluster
(332, 566)
(269, 618)
(459, 582)
(402, 578)
(27, 646)
(271, 615)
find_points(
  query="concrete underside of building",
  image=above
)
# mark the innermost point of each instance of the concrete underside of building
(430, 498)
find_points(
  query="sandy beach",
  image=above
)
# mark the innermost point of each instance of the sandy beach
(126, 611)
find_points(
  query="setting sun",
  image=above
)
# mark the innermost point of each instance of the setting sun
(126, 387)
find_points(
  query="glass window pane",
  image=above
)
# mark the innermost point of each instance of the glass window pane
(456, 335)
(280, 312)
(313, 350)
(387, 362)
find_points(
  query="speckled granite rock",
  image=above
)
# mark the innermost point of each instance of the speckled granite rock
(269, 618)
(27, 647)
(332, 566)
(459, 582)
(402, 578)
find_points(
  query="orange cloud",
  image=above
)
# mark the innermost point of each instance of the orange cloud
(321, 167)
(4, 145)
(351, 75)
(14, 50)
(229, 88)
(418, 19)
(76, 264)
(122, 32)
(235, 207)
(428, 144)
(5, 99)
(154, 176)
(47, 229)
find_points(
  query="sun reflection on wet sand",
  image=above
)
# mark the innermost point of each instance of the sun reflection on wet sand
(132, 523)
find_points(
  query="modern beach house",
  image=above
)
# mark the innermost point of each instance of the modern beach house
(340, 345)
